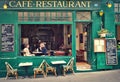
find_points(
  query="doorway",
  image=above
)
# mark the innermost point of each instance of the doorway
(83, 32)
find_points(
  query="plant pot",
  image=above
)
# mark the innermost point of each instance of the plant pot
(102, 35)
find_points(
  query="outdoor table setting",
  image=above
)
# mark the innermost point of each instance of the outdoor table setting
(25, 65)
(37, 53)
(58, 64)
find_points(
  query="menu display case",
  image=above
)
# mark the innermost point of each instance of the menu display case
(99, 45)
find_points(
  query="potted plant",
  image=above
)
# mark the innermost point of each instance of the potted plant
(102, 33)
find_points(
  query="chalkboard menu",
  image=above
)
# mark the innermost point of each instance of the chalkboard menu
(7, 37)
(111, 52)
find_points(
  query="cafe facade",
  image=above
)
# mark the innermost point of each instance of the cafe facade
(69, 28)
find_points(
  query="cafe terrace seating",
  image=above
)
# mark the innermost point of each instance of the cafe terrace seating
(40, 69)
(68, 67)
(11, 71)
(50, 69)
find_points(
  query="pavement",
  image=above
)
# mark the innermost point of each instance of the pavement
(100, 76)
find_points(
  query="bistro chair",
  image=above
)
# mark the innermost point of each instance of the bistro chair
(39, 70)
(68, 67)
(50, 69)
(11, 71)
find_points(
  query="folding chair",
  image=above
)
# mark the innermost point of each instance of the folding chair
(39, 70)
(50, 69)
(11, 71)
(69, 66)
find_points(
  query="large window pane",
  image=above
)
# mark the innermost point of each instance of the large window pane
(118, 36)
(56, 37)
(83, 16)
(44, 16)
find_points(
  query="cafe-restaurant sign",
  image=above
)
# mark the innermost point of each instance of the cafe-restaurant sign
(40, 4)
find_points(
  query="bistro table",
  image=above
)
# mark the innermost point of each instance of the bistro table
(37, 53)
(25, 65)
(58, 65)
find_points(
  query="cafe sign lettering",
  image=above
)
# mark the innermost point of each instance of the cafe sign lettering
(48, 3)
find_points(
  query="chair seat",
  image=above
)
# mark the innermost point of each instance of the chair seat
(36, 69)
(50, 68)
(39, 70)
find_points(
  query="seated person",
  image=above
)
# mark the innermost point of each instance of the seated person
(42, 49)
(27, 51)
(62, 47)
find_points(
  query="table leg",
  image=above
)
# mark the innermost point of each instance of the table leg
(58, 69)
(26, 72)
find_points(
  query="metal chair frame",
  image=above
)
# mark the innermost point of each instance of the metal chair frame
(50, 69)
(10, 71)
(68, 67)
(40, 69)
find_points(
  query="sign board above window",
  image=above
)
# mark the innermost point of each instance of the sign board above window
(50, 4)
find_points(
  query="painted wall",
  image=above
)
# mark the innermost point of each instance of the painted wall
(10, 17)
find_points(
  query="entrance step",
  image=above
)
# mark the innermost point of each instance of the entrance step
(83, 66)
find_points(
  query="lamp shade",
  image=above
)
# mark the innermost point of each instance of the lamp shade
(109, 5)
(101, 12)
(5, 6)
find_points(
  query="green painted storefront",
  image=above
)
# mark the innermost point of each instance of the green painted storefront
(10, 16)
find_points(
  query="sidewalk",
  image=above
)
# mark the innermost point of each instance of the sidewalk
(101, 76)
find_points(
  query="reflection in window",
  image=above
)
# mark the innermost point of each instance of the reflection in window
(117, 7)
(83, 16)
(117, 11)
(118, 36)
(44, 16)
(56, 37)
(117, 17)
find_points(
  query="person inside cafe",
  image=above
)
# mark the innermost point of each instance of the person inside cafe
(27, 51)
(62, 47)
(42, 48)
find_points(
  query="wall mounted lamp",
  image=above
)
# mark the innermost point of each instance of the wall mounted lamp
(109, 4)
(101, 12)
(5, 6)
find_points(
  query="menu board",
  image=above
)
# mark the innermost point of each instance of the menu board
(111, 52)
(7, 37)
(99, 45)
